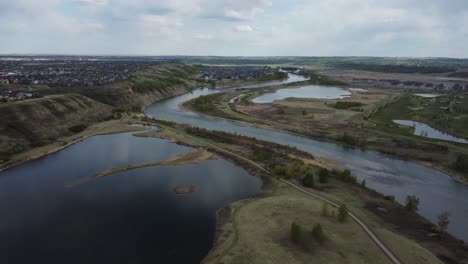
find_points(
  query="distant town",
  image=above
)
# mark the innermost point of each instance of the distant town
(65, 73)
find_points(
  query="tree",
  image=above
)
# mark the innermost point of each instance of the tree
(318, 234)
(412, 203)
(363, 184)
(296, 233)
(325, 211)
(443, 221)
(342, 213)
(308, 180)
(324, 174)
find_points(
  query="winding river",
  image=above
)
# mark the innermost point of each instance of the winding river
(437, 191)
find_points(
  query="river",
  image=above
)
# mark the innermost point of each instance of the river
(437, 191)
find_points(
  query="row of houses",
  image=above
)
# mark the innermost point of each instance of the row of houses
(7, 95)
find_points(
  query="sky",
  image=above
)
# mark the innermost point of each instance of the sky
(404, 28)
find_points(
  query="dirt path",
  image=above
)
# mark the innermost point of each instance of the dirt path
(366, 229)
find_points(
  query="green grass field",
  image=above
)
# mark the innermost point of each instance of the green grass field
(448, 113)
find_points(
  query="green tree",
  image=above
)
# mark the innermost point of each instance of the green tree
(443, 221)
(308, 180)
(324, 174)
(342, 213)
(412, 203)
(318, 234)
(297, 234)
(363, 183)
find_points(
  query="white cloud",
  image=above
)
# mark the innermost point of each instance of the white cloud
(243, 28)
(296, 27)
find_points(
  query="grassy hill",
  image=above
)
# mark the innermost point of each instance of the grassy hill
(30, 123)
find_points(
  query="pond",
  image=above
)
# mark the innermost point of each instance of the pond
(127, 217)
(424, 130)
(309, 91)
(429, 95)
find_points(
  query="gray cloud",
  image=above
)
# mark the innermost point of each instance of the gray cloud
(297, 27)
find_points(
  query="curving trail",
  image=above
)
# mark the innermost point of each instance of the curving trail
(366, 229)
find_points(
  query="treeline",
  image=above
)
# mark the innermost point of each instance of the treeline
(394, 68)
(347, 104)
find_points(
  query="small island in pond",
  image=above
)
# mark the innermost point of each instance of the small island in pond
(184, 189)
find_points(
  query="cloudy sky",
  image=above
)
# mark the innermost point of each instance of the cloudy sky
(236, 27)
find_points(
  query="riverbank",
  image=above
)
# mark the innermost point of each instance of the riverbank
(343, 127)
(359, 199)
(103, 128)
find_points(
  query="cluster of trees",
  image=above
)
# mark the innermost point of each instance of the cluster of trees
(204, 103)
(156, 85)
(306, 239)
(351, 140)
(347, 104)
(78, 128)
(290, 170)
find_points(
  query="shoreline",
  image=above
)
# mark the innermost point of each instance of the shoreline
(50, 149)
(455, 176)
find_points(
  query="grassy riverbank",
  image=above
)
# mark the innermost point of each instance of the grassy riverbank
(340, 121)
(243, 236)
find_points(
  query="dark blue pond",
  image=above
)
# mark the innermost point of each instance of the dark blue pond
(128, 217)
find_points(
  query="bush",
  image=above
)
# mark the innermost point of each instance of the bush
(443, 221)
(342, 213)
(461, 164)
(318, 234)
(308, 180)
(279, 170)
(346, 105)
(412, 203)
(324, 174)
(297, 234)
(363, 184)
(346, 176)
(389, 198)
(77, 128)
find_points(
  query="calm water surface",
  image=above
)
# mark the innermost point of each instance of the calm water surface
(127, 217)
(437, 191)
(309, 91)
(424, 130)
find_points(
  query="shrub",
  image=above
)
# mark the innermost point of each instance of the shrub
(461, 164)
(363, 184)
(308, 180)
(77, 128)
(389, 198)
(279, 170)
(443, 221)
(318, 234)
(297, 234)
(412, 203)
(346, 176)
(342, 213)
(324, 174)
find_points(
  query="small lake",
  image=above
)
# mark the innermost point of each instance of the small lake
(429, 95)
(127, 217)
(309, 91)
(424, 130)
